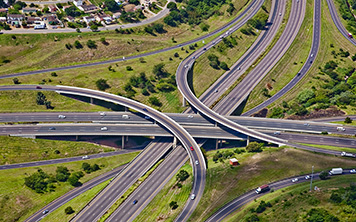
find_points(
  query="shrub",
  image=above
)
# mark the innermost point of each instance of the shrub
(102, 84)
(129, 68)
(182, 175)
(91, 44)
(16, 81)
(348, 120)
(254, 147)
(324, 175)
(224, 66)
(154, 101)
(173, 205)
(78, 45)
(54, 74)
(69, 210)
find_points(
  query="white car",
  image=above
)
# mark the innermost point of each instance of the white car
(192, 196)
(85, 157)
(102, 114)
(277, 133)
(190, 116)
(295, 180)
(61, 117)
(307, 177)
(147, 117)
(196, 162)
(306, 124)
(104, 128)
(353, 171)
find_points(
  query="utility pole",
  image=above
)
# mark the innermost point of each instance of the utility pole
(311, 179)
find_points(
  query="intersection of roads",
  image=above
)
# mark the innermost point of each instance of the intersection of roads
(208, 123)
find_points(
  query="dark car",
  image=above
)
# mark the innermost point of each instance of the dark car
(134, 202)
(45, 212)
(38, 87)
(52, 128)
(144, 109)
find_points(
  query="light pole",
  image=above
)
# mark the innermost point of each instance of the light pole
(311, 179)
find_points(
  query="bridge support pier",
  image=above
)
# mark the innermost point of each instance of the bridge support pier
(218, 144)
(123, 142)
(174, 142)
(76, 138)
(91, 100)
(184, 102)
(126, 109)
(248, 140)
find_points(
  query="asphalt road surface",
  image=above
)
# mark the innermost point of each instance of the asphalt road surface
(307, 65)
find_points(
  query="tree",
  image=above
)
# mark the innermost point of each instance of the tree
(129, 68)
(348, 120)
(158, 27)
(40, 99)
(86, 167)
(173, 205)
(91, 44)
(102, 84)
(74, 181)
(72, 11)
(254, 147)
(94, 27)
(159, 71)
(324, 175)
(154, 101)
(37, 181)
(172, 6)
(78, 45)
(16, 81)
(182, 175)
(224, 66)
(69, 210)
(111, 5)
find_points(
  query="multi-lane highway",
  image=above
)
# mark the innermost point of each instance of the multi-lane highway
(252, 195)
(307, 65)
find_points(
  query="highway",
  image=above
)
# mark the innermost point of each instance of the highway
(186, 120)
(229, 103)
(307, 65)
(249, 11)
(338, 23)
(237, 203)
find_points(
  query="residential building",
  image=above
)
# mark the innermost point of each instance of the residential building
(88, 8)
(78, 3)
(2, 19)
(15, 19)
(234, 162)
(104, 18)
(52, 8)
(33, 20)
(70, 18)
(116, 15)
(88, 19)
(29, 10)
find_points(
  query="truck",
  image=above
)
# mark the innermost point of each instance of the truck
(335, 171)
(262, 189)
(348, 154)
(349, 34)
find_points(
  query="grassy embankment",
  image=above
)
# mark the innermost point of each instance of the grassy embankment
(23, 52)
(19, 150)
(331, 41)
(18, 202)
(293, 203)
(225, 183)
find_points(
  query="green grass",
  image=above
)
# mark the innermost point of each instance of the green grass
(19, 150)
(204, 75)
(158, 209)
(77, 203)
(341, 149)
(329, 35)
(285, 69)
(21, 202)
(345, 124)
(302, 201)
(223, 183)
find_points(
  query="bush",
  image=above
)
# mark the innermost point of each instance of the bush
(91, 44)
(173, 205)
(129, 68)
(102, 84)
(348, 120)
(16, 81)
(54, 74)
(69, 210)
(224, 66)
(324, 175)
(254, 147)
(154, 101)
(182, 175)
(78, 45)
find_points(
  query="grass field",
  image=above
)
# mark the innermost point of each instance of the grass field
(292, 203)
(19, 150)
(204, 75)
(158, 209)
(38, 51)
(329, 35)
(288, 66)
(341, 149)
(19, 202)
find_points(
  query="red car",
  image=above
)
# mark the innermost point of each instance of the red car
(191, 148)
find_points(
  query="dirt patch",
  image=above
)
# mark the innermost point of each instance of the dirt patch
(322, 113)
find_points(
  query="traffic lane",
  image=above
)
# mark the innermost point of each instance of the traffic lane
(307, 65)
(64, 160)
(110, 194)
(73, 193)
(128, 211)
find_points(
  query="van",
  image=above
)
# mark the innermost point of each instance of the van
(125, 117)
(340, 128)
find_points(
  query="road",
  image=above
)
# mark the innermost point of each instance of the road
(244, 199)
(307, 65)
(229, 103)
(338, 23)
(248, 11)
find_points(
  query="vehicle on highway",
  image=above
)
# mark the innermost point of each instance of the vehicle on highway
(85, 157)
(196, 162)
(295, 180)
(191, 148)
(348, 154)
(349, 34)
(61, 117)
(238, 68)
(262, 189)
(280, 14)
(123, 57)
(311, 55)
(298, 74)
(306, 124)
(125, 117)
(335, 171)
(52, 128)
(353, 171)
(204, 49)
(216, 90)
(190, 116)
(340, 128)
(307, 177)
(147, 117)
(134, 202)
(45, 211)
(186, 66)
(144, 109)
(104, 128)
(277, 133)
(38, 87)
(192, 196)
(102, 114)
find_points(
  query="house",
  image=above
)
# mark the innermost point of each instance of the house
(4, 10)
(116, 15)
(88, 19)
(138, 7)
(52, 8)
(234, 162)
(88, 8)
(2, 19)
(70, 18)
(78, 3)
(29, 10)
(52, 20)
(104, 18)
(15, 19)
(32, 20)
